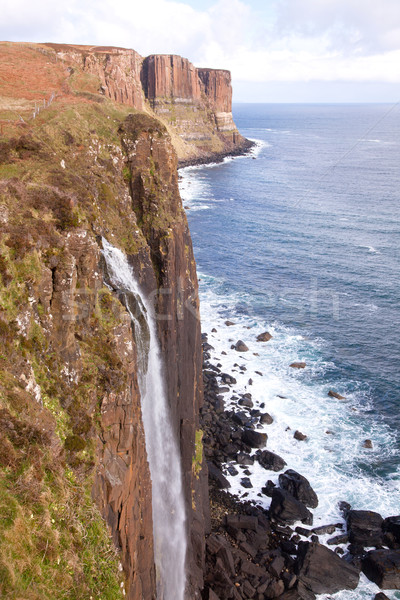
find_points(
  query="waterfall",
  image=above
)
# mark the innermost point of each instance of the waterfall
(161, 445)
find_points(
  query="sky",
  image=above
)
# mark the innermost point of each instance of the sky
(276, 50)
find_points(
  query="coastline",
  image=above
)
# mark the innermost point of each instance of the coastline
(217, 157)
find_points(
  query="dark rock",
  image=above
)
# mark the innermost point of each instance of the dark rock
(333, 394)
(291, 595)
(298, 365)
(289, 579)
(392, 525)
(381, 596)
(246, 402)
(299, 436)
(212, 595)
(240, 418)
(367, 444)
(246, 483)
(321, 571)
(268, 488)
(275, 589)
(216, 475)
(383, 568)
(244, 459)
(303, 531)
(343, 538)
(213, 330)
(248, 590)
(344, 507)
(288, 546)
(276, 567)
(226, 378)
(264, 337)
(324, 529)
(207, 346)
(229, 323)
(240, 346)
(299, 487)
(232, 471)
(266, 419)
(254, 439)
(242, 522)
(285, 508)
(270, 460)
(365, 527)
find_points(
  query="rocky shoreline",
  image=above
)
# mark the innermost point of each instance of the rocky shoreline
(217, 157)
(256, 553)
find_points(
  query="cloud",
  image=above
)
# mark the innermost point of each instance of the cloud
(278, 40)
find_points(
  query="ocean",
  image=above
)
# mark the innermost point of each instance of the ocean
(301, 238)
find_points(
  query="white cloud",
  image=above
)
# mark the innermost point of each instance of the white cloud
(278, 40)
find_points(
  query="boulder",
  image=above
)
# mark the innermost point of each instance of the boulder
(254, 439)
(229, 323)
(266, 419)
(299, 436)
(264, 337)
(364, 527)
(381, 596)
(244, 459)
(246, 482)
(270, 460)
(298, 365)
(240, 346)
(299, 487)
(383, 568)
(216, 475)
(392, 525)
(333, 394)
(367, 444)
(321, 571)
(286, 509)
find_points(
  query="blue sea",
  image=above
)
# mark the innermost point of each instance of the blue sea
(301, 238)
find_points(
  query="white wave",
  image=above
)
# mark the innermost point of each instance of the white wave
(370, 249)
(336, 430)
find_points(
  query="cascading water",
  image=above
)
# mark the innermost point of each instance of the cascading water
(162, 449)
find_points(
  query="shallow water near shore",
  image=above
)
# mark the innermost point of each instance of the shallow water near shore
(301, 238)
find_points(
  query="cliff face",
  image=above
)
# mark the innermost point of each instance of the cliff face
(194, 104)
(70, 417)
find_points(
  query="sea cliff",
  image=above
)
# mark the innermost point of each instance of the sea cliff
(75, 167)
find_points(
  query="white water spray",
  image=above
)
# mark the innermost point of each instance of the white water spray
(162, 449)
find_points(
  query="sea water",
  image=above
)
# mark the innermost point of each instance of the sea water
(301, 238)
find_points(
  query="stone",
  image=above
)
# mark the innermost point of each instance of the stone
(240, 418)
(323, 529)
(268, 488)
(365, 527)
(333, 394)
(229, 323)
(264, 337)
(240, 346)
(242, 522)
(299, 487)
(247, 402)
(226, 378)
(321, 571)
(216, 475)
(381, 596)
(383, 568)
(298, 365)
(343, 538)
(270, 461)
(254, 439)
(277, 566)
(286, 509)
(246, 483)
(244, 459)
(299, 436)
(266, 419)
(212, 595)
(392, 525)
(275, 589)
(232, 471)
(367, 444)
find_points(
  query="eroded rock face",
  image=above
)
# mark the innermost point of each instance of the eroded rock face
(155, 196)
